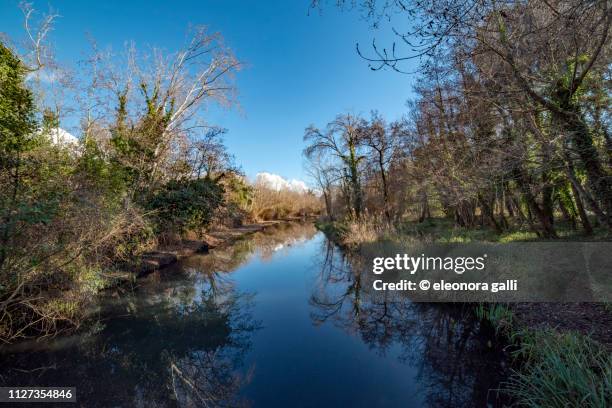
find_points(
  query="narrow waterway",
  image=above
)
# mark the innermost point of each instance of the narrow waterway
(278, 319)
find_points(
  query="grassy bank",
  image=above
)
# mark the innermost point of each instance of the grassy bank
(441, 230)
(561, 352)
(551, 367)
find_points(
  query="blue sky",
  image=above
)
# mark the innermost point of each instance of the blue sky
(301, 64)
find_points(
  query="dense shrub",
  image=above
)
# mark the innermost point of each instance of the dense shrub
(77, 212)
(184, 205)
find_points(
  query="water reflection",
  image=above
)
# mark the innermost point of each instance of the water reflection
(257, 323)
(169, 344)
(457, 359)
(179, 340)
(266, 243)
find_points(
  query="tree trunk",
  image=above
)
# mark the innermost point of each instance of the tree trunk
(584, 219)
(578, 192)
(355, 187)
(567, 215)
(599, 182)
(515, 203)
(548, 229)
(488, 211)
(383, 176)
(425, 214)
(328, 207)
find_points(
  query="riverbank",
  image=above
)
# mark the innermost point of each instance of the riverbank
(250, 322)
(562, 352)
(167, 255)
(170, 254)
(589, 319)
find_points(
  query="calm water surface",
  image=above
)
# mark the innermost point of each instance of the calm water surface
(280, 319)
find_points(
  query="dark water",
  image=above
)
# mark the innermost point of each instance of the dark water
(280, 319)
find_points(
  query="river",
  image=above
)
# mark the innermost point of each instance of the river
(278, 319)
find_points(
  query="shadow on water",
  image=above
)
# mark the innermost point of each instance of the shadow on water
(458, 361)
(227, 329)
(175, 342)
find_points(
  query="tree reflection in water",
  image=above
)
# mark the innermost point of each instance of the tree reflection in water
(184, 337)
(181, 346)
(267, 243)
(179, 340)
(458, 364)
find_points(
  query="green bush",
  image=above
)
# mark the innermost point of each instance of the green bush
(185, 205)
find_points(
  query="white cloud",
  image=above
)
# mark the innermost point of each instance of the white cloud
(276, 182)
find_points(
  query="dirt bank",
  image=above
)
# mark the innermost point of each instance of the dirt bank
(168, 255)
(590, 319)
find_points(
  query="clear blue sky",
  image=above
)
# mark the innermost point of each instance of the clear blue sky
(302, 67)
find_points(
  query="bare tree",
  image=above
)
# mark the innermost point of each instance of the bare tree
(382, 139)
(343, 140)
(37, 51)
(209, 157)
(159, 99)
(325, 176)
(546, 50)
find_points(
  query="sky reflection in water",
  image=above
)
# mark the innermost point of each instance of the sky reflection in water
(278, 319)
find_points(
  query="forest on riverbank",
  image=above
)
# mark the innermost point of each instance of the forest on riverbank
(509, 129)
(146, 170)
(507, 139)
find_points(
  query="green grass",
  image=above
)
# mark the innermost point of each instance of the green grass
(444, 230)
(560, 370)
(517, 236)
(553, 370)
(497, 314)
